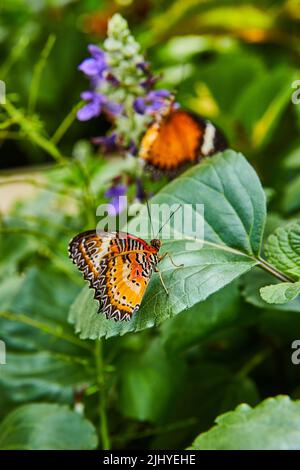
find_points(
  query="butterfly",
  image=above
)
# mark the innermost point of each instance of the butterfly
(118, 266)
(177, 139)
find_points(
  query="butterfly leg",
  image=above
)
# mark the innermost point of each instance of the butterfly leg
(171, 259)
(161, 280)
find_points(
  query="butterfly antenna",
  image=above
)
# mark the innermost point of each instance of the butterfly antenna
(150, 218)
(171, 215)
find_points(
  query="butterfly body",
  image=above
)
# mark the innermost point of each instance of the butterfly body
(177, 139)
(118, 266)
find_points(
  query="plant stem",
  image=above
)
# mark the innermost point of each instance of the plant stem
(272, 270)
(37, 74)
(103, 425)
(28, 127)
(98, 349)
(65, 124)
(253, 362)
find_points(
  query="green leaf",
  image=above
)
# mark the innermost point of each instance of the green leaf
(207, 389)
(283, 249)
(40, 376)
(253, 282)
(271, 97)
(37, 298)
(46, 427)
(280, 293)
(234, 220)
(218, 311)
(243, 71)
(272, 425)
(292, 160)
(149, 383)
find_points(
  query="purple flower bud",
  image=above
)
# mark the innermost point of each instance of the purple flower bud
(109, 77)
(139, 105)
(132, 148)
(149, 82)
(97, 103)
(95, 65)
(107, 143)
(113, 109)
(158, 94)
(140, 192)
(96, 52)
(143, 66)
(152, 102)
(117, 202)
(93, 108)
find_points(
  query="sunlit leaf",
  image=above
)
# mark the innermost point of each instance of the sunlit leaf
(280, 293)
(283, 249)
(273, 425)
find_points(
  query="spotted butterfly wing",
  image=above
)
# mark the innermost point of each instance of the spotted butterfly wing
(178, 140)
(118, 266)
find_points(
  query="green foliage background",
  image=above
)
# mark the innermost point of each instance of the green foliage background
(169, 377)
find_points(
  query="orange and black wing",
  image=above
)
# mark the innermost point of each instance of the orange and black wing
(179, 140)
(117, 267)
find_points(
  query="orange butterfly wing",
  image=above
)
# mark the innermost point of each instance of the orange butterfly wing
(181, 138)
(117, 267)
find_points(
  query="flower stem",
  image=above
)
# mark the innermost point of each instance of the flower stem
(272, 270)
(103, 425)
(65, 124)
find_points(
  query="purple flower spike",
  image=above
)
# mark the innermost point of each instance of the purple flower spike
(117, 202)
(152, 102)
(95, 65)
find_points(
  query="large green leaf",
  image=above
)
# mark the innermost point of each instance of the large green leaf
(234, 205)
(273, 425)
(46, 427)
